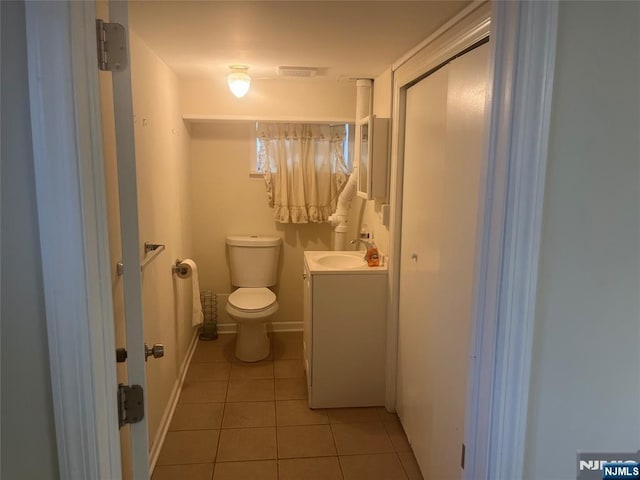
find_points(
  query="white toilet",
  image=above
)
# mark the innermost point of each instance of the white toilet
(254, 263)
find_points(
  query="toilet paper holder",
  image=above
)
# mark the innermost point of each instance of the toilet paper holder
(180, 269)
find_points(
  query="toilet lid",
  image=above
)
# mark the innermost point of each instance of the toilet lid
(252, 298)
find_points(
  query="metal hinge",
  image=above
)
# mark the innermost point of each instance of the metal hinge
(112, 46)
(130, 404)
(121, 355)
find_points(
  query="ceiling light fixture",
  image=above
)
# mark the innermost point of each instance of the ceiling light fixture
(239, 80)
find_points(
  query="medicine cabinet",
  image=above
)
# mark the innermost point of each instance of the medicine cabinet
(372, 152)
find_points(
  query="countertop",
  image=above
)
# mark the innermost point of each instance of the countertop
(312, 260)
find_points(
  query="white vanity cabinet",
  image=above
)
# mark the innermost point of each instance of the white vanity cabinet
(344, 335)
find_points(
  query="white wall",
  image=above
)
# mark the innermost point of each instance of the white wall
(270, 98)
(28, 435)
(163, 173)
(226, 201)
(585, 385)
(367, 211)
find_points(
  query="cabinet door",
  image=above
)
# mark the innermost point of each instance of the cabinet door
(306, 317)
(372, 143)
(364, 146)
(349, 340)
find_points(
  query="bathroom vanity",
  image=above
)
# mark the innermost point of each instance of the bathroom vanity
(345, 310)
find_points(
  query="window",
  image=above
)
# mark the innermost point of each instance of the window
(304, 166)
(347, 149)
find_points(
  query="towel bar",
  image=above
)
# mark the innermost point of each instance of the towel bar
(154, 248)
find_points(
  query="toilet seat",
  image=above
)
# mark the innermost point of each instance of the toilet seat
(252, 300)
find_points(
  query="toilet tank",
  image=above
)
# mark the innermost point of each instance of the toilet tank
(253, 260)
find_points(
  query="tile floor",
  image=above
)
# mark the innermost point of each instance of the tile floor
(250, 421)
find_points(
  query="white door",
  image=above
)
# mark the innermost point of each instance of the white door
(443, 151)
(118, 122)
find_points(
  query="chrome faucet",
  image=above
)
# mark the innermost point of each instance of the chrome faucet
(367, 244)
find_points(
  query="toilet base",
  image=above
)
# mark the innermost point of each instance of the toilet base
(252, 342)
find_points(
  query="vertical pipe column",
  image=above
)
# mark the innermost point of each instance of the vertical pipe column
(364, 100)
(364, 97)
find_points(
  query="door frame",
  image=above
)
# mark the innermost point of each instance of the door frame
(74, 241)
(68, 162)
(123, 115)
(508, 251)
(522, 60)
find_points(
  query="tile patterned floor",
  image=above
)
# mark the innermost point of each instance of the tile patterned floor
(251, 421)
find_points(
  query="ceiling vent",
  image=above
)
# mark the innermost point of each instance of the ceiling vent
(298, 72)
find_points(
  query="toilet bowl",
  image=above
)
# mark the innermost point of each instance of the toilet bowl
(251, 309)
(253, 262)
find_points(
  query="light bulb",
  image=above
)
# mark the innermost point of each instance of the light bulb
(239, 80)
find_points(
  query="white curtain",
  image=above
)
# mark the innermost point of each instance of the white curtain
(304, 169)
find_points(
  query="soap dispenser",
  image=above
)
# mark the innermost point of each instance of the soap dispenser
(372, 256)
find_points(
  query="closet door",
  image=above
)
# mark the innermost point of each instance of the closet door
(443, 151)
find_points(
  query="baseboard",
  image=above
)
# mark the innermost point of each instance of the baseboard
(158, 440)
(231, 327)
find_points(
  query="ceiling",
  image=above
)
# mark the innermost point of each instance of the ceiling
(344, 39)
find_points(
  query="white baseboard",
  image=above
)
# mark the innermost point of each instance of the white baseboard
(231, 327)
(161, 433)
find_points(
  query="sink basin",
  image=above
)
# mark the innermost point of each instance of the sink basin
(341, 260)
(336, 262)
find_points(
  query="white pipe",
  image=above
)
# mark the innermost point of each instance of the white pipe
(364, 89)
(347, 194)
(340, 237)
(340, 217)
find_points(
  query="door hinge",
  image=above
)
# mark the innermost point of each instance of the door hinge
(130, 404)
(462, 455)
(112, 46)
(121, 355)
